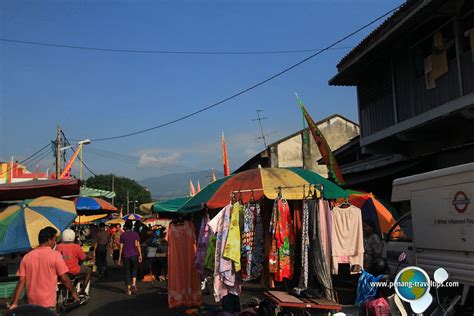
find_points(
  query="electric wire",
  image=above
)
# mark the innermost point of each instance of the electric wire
(135, 159)
(80, 160)
(26, 159)
(135, 162)
(252, 87)
(169, 52)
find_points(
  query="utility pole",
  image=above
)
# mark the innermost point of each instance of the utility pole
(58, 153)
(128, 203)
(113, 187)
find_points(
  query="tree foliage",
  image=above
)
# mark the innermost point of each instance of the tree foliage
(122, 185)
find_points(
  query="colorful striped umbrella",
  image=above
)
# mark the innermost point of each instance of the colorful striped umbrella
(93, 206)
(20, 224)
(85, 219)
(115, 221)
(132, 217)
(380, 213)
(294, 184)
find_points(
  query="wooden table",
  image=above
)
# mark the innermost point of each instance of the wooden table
(286, 300)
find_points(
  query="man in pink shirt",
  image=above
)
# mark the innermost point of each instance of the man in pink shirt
(39, 270)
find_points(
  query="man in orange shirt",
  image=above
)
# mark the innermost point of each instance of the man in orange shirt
(73, 255)
(39, 270)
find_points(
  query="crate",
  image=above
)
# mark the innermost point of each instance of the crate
(7, 289)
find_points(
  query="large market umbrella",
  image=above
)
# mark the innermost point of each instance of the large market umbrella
(85, 219)
(91, 192)
(146, 208)
(132, 217)
(93, 206)
(170, 206)
(20, 224)
(293, 183)
(380, 213)
(115, 221)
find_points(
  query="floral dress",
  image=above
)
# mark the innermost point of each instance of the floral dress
(281, 228)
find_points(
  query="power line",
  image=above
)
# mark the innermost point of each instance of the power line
(158, 163)
(135, 161)
(26, 159)
(169, 52)
(251, 87)
(72, 148)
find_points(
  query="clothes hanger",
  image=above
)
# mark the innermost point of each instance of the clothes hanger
(252, 198)
(345, 204)
(233, 199)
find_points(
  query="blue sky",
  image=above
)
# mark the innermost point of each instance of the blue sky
(95, 94)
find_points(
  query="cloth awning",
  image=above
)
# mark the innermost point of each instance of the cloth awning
(36, 188)
(172, 205)
(91, 192)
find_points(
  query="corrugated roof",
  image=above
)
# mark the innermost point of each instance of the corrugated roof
(376, 34)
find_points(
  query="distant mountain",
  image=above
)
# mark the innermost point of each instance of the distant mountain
(177, 184)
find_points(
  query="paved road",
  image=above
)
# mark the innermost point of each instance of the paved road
(108, 297)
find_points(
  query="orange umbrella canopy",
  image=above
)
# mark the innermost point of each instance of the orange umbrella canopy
(373, 209)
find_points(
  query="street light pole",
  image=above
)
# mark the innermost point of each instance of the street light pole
(82, 143)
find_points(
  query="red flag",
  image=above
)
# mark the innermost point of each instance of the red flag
(224, 157)
(323, 146)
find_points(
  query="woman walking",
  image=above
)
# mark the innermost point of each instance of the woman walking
(130, 256)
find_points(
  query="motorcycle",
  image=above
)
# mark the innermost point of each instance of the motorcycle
(64, 300)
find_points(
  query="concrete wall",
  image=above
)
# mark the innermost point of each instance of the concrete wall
(289, 152)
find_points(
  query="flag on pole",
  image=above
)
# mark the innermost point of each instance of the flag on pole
(225, 160)
(192, 190)
(198, 187)
(326, 153)
(213, 178)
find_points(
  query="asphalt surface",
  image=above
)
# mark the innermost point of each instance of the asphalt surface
(108, 297)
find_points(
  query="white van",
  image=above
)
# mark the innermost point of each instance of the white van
(438, 230)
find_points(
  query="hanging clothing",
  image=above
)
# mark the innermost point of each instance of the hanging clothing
(233, 244)
(184, 286)
(283, 240)
(202, 244)
(210, 259)
(365, 289)
(347, 237)
(318, 262)
(324, 213)
(303, 284)
(252, 243)
(225, 280)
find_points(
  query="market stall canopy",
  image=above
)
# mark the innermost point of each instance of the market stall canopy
(171, 205)
(115, 221)
(86, 219)
(91, 192)
(380, 213)
(20, 224)
(293, 183)
(132, 217)
(36, 188)
(146, 208)
(93, 206)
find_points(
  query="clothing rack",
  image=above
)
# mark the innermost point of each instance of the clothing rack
(320, 186)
